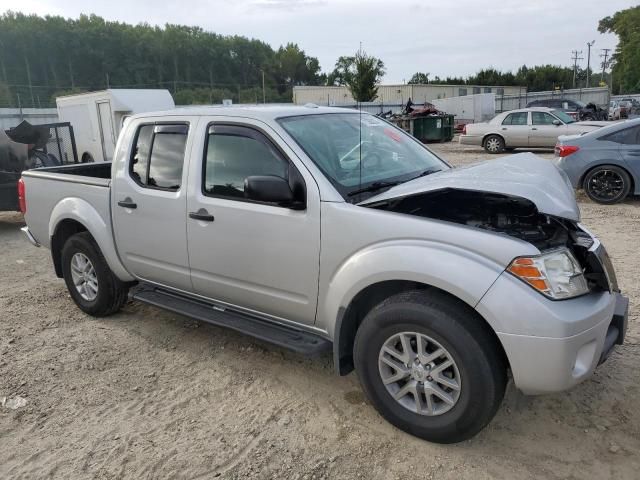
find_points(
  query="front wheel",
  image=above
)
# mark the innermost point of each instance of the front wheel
(429, 366)
(494, 144)
(90, 281)
(607, 184)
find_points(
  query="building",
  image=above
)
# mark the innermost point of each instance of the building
(397, 94)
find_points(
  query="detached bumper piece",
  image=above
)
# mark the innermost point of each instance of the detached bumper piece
(617, 328)
(30, 237)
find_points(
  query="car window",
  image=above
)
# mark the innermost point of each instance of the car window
(628, 136)
(158, 156)
(542, 118)
(234, 153)
(516, 118)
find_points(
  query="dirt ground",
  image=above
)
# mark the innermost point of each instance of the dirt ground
(149, 394)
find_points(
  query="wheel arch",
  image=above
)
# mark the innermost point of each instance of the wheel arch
(350, 318)
(73, 215)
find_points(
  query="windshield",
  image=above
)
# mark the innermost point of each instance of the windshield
(336, 143)
(580, 104)
(566, 118)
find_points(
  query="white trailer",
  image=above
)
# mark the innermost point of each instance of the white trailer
(97, 117)
(470, 108)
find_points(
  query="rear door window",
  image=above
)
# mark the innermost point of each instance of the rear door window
(628, 136)
(158, 156)
(516, 118)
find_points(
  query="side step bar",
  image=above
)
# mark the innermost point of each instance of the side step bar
(276, 333)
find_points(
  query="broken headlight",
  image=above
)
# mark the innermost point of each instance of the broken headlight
(556, 274)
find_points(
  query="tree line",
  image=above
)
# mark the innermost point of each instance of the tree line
(42, 57)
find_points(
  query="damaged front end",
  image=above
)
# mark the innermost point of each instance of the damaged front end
(513, 216)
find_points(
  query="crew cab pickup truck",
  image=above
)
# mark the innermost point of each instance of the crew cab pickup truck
(324, 228)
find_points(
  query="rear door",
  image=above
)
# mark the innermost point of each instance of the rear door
(149, 202)
(253, 255)
(628, 141)
(515, 129)
(543, 132)
(107, 135)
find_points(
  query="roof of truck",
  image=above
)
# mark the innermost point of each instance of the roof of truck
(260, 112)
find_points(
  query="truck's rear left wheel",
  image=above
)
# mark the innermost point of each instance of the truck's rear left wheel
(429, 366)
(90, 281)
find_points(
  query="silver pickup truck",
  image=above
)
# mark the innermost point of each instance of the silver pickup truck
(325, 228)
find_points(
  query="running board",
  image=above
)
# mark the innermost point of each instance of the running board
(269, 331)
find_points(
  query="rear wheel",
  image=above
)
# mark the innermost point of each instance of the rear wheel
(607, 184)
(494, 144)
(90, 281)
(429, 366)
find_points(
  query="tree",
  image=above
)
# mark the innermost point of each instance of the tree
(626, 59)
(361, 73)
(419, 78)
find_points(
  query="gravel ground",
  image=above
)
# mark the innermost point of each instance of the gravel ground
(149, 394)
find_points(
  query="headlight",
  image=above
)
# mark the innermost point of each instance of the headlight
(555, 274)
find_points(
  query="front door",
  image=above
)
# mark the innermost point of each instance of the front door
(258, 256)
(543, 132)
(107, 137)
(150, 201)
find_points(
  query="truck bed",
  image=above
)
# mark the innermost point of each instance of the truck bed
(86, 186)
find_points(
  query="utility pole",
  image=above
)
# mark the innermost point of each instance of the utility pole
(589, 45)
(605, 62)
(575, 57)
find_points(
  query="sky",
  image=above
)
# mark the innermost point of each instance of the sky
(444, 38)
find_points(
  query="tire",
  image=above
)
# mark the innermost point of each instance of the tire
(109, 294)
(607, 184)
(494, 144)
(479, 367)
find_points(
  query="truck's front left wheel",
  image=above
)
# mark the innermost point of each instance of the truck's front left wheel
(91, 283)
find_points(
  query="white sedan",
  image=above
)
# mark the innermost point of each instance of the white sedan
(536, 127)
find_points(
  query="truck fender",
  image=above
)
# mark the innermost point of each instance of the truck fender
(73, 208)
(462, 273)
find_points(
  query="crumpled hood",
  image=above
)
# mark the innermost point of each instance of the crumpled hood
(521, 175)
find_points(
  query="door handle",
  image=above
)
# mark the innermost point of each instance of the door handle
(127, 203)
(534, 128)
(201, 215)
(504, 128)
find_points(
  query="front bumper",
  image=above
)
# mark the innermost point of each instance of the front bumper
(547, 364)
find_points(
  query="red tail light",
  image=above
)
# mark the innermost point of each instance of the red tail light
(22, 196)
(565, 150)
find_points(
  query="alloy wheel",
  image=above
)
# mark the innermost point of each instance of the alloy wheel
(419, 373)
(84, 276)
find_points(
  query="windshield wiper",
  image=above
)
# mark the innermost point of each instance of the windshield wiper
(373, 187)
(424, 173)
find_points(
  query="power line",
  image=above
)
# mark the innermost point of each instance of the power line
(575, 58)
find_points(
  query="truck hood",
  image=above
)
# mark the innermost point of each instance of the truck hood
(523, 175)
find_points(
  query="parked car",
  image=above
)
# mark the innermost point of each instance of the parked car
(614, 112)
(574, 108)
(625, 107)
(323, 228)
(605, 163)
(528, 127)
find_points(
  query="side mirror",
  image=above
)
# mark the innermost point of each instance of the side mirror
(268, 188)
(557, 122)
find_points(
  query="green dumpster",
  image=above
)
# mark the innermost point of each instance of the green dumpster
(433, 128)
